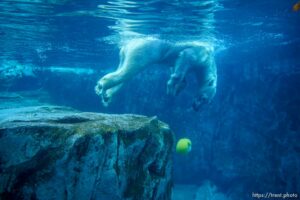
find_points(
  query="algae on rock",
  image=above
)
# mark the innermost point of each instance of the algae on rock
(49, 152)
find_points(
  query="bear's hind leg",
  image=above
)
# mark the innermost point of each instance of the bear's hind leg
(105, 86)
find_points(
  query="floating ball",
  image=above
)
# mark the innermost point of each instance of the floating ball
(184, 146)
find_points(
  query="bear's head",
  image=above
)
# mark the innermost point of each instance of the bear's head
(205, 93)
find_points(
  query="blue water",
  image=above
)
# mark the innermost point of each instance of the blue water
(246, 141)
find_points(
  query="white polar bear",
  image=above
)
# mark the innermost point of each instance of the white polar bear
(182, 58)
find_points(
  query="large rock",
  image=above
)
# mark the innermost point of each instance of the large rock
(58, 153)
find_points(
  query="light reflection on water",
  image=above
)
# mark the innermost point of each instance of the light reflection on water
(29, 27)
(185, 19)
(148, 17)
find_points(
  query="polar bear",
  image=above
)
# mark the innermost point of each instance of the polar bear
(182, 58)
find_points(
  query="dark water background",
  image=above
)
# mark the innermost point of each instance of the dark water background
(247, 140)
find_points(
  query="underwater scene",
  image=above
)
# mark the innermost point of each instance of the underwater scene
(149, 99)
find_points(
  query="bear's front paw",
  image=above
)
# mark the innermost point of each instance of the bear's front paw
(99, 89)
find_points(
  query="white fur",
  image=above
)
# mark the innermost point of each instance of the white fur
(185, 57)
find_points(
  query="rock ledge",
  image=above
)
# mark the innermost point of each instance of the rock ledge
(50, 152)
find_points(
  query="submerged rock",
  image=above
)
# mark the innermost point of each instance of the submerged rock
(58, 153)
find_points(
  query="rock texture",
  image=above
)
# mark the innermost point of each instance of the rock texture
(58, 153)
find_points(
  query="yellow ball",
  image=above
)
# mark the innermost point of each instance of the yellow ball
(184, 146)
